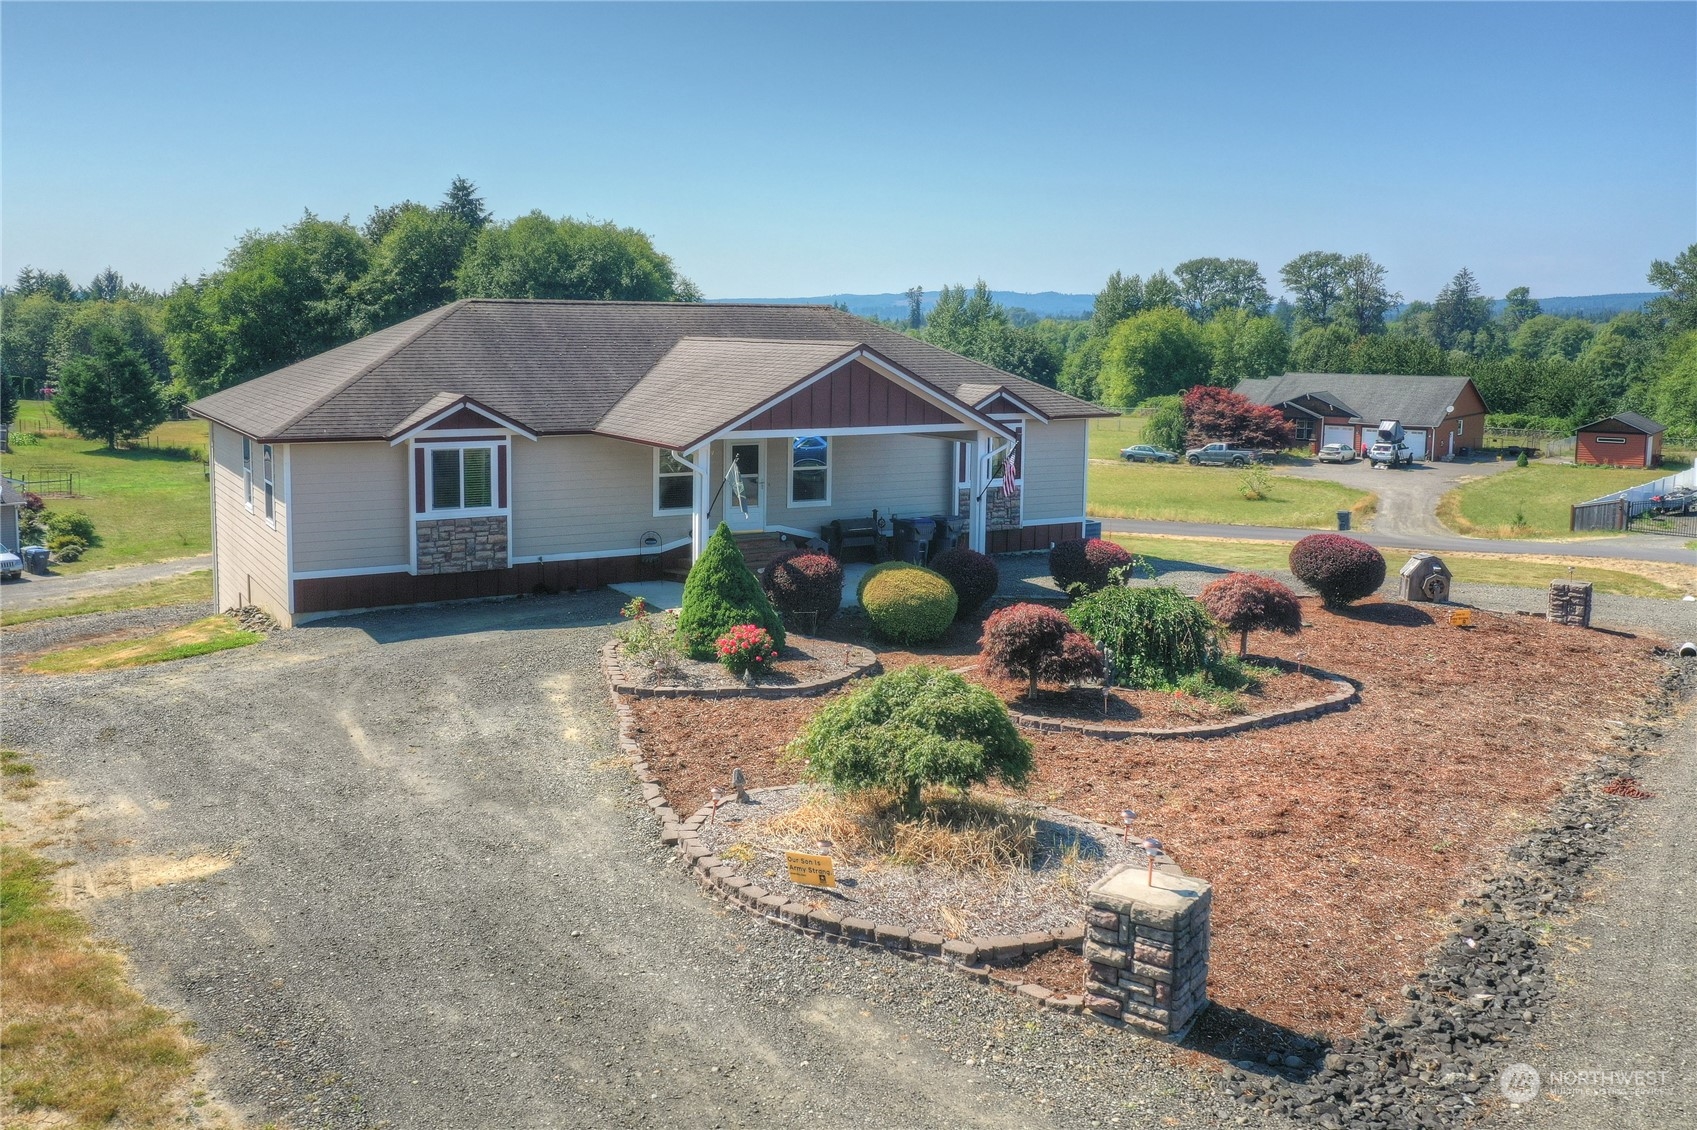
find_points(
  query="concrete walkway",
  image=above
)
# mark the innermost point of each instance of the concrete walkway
(31, 591)
(1632, 547)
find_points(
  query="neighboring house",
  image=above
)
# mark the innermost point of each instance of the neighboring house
(1625, 439)
(496, 447)
(1442, 415)
(11, 501)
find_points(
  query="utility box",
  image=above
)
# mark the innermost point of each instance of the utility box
(1425, 578)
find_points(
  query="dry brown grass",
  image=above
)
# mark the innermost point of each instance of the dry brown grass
(958, 833)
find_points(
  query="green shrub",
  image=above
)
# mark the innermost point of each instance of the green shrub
(719, 594)
(66, 548)
(908, 603)
(918, 726)
(1522, 461)
(73, 523)
(1156, 635)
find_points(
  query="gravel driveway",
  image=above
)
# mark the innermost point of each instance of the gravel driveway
(1408, 495)
(446, 909)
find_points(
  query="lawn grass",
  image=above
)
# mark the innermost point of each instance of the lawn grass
(1622, 578)
(79, 1042)
(186, 588)
(1177, 492)
(149, 502)
(1108, 436)
(1534, 501)
(215, 633)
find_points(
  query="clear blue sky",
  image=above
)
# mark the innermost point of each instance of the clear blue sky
(777, 150)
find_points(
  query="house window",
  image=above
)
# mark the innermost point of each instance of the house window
(1302, 429)
(1017, 452)
(270, 491)
(674, 484)
(462, 478)
(1609, 439)
(247, 473)
(810, 471)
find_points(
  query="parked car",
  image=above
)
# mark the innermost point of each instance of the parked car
(1389, 454)
(1681, 500)
(1221, 455)
(1336, 453)
(1144, 453)
(11, 565)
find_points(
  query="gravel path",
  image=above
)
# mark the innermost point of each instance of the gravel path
(447, 909)
(67, 630)
(32, 591)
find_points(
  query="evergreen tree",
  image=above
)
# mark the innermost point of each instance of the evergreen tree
(1459, 311)
(720, 594)
(110, 393)
(463, 201)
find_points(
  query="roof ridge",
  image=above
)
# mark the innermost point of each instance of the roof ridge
(649, 302)
(431, 320)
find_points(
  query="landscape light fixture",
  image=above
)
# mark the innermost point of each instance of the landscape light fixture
(1151, 849)
(713, 816)
(1126, 817)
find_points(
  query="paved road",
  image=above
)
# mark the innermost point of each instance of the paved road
(1633, 547)
(31, 591)
(1617, 1048)
(444, 907)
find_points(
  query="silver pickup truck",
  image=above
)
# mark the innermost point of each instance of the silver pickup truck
(1222, 455)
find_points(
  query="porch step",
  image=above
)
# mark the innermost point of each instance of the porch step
(760, 549)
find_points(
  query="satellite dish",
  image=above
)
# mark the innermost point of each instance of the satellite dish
(1450, 410)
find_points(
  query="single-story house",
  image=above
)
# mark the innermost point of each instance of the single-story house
(1441, 415)
(1625, 439)
(496, 447)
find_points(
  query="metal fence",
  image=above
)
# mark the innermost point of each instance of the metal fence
(1631, 508)
(56, 485)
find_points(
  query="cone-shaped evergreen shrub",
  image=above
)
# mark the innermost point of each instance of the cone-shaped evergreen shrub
(1342, 570)
(719, 594)
(973, 575)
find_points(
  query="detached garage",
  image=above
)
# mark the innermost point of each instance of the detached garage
(1625, 439)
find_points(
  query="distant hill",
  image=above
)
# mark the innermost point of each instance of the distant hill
(1054, 304)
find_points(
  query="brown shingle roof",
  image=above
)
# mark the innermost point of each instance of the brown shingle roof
(560, 366)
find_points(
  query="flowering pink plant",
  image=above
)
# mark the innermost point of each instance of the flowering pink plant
(747, 647)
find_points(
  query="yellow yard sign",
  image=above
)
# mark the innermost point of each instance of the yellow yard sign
(810, 870)
(1461, 618)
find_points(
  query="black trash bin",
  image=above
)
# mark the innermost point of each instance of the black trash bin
(35, 559)
(1343, 519)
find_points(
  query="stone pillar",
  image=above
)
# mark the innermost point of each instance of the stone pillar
(1570, 603)
(1148, 948)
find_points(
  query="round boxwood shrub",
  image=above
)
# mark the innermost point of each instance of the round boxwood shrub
(71, 523)
(1031, 641)
(908, 603)
(719, 594)
(974, 576)
(805, 582)
(1242, 602)
(1156, 634)
(1087, 563)
(1342, 570)
(915, 727)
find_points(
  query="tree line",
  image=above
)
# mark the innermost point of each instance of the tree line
(282, 296)
(1214, 322)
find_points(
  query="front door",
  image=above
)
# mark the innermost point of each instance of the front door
(751, 514)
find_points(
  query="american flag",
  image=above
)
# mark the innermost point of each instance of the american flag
(1010, 477)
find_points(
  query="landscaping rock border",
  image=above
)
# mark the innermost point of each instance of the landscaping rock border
(1342, 696)
(861, 660)
(1437, 1063)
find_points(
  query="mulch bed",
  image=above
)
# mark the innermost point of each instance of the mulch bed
(1336, 846)
(800, 660)
(1154, 709)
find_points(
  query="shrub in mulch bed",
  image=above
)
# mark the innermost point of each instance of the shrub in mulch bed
(908, 603)
(719, 594)
(1090, 564)
(1157, 634)
(745, 648)
(1342, 570)
(805, 583)
(1033, 641)
(974, 576)
(1243, 602)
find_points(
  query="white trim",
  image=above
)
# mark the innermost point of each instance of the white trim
(493, 510)
(871, 430)
(247, 472)
(1023, 406)
(639, 551)
(796, 531)
(268, 464)
(935, 396)
(500, 422)
(212, 503)
(1052, 521)
(1598, 438)
(654, 484)
(369, 571)
(412, 508)
(288, 525)
(789, 479)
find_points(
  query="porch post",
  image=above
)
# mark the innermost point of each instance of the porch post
(702, 457)
(978, 512)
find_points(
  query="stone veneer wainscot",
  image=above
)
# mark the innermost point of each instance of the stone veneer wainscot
(462, 545)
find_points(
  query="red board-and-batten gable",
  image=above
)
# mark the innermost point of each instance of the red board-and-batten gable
(853, 396)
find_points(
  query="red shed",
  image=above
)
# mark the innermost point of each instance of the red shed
(1625, 439)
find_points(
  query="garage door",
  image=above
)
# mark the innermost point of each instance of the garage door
(1417, 444)
(1336, 433)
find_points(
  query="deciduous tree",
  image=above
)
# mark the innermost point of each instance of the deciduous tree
(1154, 353)
(1315, 280)
(1213, 415)
(537, 256)
(1209, 286)
(1678, 307)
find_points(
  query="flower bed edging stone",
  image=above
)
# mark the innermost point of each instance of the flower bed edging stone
(861, 660)
(1343, 694)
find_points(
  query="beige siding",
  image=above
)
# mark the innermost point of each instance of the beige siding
(1053, 476)
(584, 494)
(252, 559)
(350, 506)
(904, 475)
